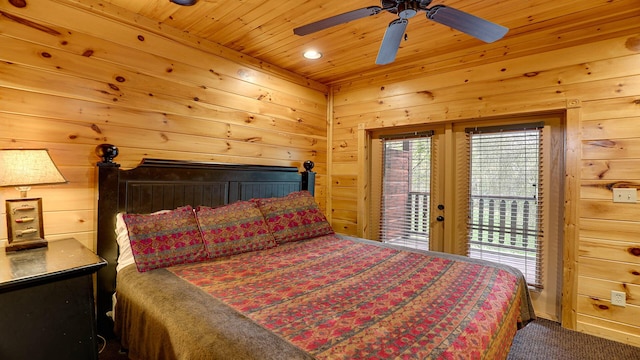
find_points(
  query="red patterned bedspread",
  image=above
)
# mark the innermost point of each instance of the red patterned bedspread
(337, 298)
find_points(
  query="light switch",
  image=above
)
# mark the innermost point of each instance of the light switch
(625, 195)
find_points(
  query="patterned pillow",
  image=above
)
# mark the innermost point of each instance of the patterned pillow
(294, 217)
(164, 239)
(233, 229)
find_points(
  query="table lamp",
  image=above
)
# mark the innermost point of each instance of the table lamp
(23, 168)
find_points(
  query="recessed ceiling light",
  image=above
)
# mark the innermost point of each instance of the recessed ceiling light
(312, 54)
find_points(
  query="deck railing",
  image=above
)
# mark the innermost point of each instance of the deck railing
(418, 208)
(504, 222)
(411, 228)
(504, 229)
(501, 229)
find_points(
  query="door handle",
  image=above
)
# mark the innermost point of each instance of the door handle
(440, 218)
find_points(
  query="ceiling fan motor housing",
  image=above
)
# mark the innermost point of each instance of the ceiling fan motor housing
(405, 9)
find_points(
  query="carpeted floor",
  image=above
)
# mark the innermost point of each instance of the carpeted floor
(540, 340)
(544, 339)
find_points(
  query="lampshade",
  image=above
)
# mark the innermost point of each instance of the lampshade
(26, 167)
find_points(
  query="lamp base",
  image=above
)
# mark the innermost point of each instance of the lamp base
(26, 244)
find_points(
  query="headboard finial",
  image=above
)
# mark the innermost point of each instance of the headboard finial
(308, 177)
(107, 152)
(308, 165)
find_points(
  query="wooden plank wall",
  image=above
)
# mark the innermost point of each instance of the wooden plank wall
(596, 81)
(72, 78)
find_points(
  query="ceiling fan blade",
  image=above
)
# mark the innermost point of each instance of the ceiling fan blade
(391, 41)
(336, 20)
(467, 23)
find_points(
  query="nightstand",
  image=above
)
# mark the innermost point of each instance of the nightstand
(47, 308)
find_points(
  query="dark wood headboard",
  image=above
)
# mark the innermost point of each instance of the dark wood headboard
(166, 184)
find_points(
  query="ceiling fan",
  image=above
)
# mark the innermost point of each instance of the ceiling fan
(456, 19)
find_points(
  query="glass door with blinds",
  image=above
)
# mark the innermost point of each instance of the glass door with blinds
(406, 190)
(406, 182)
(508, 186)
(505, 201)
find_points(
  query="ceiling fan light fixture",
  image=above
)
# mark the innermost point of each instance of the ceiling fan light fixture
(312, 54)
(407, 13)
(184, 2)
(407, 10)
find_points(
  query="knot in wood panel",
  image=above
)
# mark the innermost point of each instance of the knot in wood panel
(18, 3)
(633, 43)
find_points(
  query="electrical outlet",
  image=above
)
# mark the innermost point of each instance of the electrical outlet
(618, 298)
(625, 195)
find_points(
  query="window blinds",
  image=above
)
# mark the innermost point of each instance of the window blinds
(406, 187)
(505, 200)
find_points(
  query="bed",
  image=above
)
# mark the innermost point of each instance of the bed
(311, 294)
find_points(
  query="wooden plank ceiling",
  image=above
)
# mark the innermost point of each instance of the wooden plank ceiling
(263, 29)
